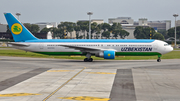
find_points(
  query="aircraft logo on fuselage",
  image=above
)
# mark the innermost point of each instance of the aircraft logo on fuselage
(16, 28)
(136, 49)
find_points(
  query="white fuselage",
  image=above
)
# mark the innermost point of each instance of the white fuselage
(156, 46)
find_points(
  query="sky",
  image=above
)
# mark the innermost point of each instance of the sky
(33, 11)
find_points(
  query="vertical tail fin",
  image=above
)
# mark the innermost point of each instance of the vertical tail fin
(18, 31)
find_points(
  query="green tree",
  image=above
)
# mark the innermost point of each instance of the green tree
(94, 28)
(116, 32)
(84, 26)
(116, 26)
(106, 34)
(163, 32)
(171, 32)
(28, 26)
(33, 28)
(84, 29)
(139, 32)
(99, 30)
(69, 26)
(8, 30)
(115, 29)
(105, 26)
(143, 33)
(44, 30)
(123, 34)
(60, 33)
(53, 30)
(77, 29)
(158, 36)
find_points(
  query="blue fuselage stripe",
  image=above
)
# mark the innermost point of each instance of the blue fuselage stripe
(94, 40)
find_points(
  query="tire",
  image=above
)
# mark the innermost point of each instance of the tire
(85, 60)
(158, 60)
(90, 60)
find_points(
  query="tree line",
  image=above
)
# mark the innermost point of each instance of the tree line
(81, 29)
(171, 31)
(145, 32)
(102, 31)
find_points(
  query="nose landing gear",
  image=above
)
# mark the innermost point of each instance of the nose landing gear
(88, 59)
(159, 58)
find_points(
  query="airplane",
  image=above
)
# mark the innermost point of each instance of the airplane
(104, 48)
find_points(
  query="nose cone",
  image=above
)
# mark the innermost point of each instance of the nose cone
(169, 49)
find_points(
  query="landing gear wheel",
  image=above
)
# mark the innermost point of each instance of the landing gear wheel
(86, 60)
(90, 60)
(158, 60)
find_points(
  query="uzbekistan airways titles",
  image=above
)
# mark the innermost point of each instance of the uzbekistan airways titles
(136, 49)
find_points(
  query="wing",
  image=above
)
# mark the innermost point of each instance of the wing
(86, 49)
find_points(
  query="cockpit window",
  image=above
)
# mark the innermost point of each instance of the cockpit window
(166, 45)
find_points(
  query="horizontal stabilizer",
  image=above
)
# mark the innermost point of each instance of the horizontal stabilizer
(18, 44)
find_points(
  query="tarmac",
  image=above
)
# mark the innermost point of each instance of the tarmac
(40, 79)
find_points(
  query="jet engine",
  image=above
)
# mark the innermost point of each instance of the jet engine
(109, 54)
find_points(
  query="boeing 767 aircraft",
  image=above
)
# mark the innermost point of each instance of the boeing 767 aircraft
(105, 48)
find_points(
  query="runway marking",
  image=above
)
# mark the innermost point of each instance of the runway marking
(123, 86)
(63, 85)
(17, 79)
(100, 73)
(75, 56)
(17, 94)
(59, 70)
(86, 98)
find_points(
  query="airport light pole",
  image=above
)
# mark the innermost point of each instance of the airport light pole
(175, 15)
(89, 13)
(18, 14)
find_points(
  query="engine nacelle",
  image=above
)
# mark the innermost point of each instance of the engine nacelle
(106, 54)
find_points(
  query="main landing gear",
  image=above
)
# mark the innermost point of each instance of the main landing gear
(159, 58)
(88, 59)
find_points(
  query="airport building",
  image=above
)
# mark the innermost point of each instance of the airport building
(178, 23)
(47, 25)
(121, 20)
(4, 35)
(98, 21)
(164, 25)
(3, 27)
(129, 24)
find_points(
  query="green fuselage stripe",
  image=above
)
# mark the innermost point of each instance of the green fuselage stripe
(117, 53)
